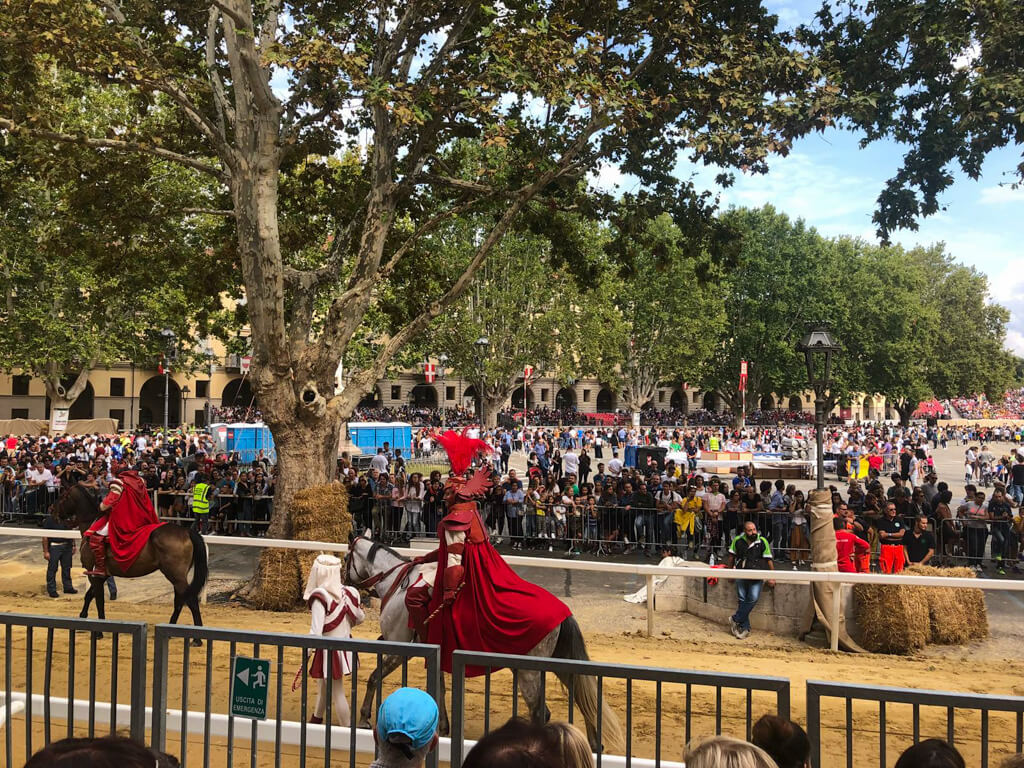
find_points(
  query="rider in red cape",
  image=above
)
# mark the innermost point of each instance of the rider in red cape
(126, 518)
(478, 603)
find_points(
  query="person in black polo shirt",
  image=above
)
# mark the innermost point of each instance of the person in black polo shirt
(748, 551)
(59, 553)
(919, 543)
(891, 530)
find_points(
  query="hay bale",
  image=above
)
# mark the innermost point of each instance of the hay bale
(893, 619)
(956, 616)
(319, 513)
(279, 580)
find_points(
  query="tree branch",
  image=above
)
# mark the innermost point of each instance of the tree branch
(116, 144)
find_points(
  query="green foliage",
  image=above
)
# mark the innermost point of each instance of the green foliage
(668, 317)
(95, 263)
(945, 79)
(912, 324)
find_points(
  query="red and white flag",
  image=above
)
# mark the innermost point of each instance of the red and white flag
(743, 375)
(161, 368)
(527, 371)
(245, 364)
(429, 371)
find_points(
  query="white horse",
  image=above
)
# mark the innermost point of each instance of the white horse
(387, 574)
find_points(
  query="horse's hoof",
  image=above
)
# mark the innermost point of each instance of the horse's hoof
(444, 729)
(196, 642)
(364, 723)
(98, 635)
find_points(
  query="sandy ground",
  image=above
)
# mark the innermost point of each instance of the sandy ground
(615, 633)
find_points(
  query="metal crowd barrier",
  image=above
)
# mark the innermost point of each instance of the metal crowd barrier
(729, 696)
(202, 681)
(43, 655)
(858, 732)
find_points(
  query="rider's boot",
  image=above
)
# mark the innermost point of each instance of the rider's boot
(98, 545)
(417, 601)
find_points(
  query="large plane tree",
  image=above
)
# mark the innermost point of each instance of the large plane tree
(254, 89)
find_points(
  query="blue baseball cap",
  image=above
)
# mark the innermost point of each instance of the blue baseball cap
(411, 713)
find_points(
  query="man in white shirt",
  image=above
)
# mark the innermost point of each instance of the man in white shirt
(614, 467)
(379, 462)
(571, 462)
(39, 475)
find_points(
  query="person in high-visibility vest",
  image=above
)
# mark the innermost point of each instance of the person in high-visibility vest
(201, 502)
(713, 443)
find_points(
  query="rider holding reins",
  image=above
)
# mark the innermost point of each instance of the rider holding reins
(126, 519)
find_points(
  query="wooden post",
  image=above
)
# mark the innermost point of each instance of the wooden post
(837, 607)
(650, 606)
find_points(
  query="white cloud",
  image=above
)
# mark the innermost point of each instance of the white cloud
(1000, 194)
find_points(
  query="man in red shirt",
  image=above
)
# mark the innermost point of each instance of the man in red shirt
(849, 547)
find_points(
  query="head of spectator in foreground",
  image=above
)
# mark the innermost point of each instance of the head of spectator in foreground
(727, 752)
(520, 743)
(930, 753)
(784, 740)
(107, 752)
(406, 729)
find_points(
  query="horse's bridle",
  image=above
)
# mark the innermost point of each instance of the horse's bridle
(371, 582)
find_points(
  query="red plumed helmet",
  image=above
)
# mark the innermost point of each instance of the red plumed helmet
(461, 449)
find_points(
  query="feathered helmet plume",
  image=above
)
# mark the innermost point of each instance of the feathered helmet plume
(461, 449)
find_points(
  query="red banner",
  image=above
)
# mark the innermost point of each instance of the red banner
(743, 375)
(428, 372)
(527, 371)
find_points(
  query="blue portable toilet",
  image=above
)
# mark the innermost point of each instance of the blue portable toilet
(368, 436)
(246, 439)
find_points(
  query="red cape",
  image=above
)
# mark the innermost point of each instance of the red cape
(132, 520)
(496, 611)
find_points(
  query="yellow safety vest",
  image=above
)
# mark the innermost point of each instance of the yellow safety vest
(200, 503)
(713, 443)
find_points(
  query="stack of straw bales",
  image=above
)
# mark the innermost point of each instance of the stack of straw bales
(902, 619)
(318, 514)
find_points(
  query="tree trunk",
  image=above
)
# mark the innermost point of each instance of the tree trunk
(491, 405)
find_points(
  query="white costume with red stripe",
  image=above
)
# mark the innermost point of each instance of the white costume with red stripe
(335, 610)
(333, 618)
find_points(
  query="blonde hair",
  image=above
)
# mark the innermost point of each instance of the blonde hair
(727, 752)
(572, 744)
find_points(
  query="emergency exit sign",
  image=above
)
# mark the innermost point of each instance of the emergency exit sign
(249, 687)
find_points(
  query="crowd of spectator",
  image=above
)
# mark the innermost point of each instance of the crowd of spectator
(34, 469)
(406, 732)
(235, 414)
(979, 407)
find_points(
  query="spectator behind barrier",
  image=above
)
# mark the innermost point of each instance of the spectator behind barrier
(930, 753)
(784, 740)
(520, 743)
(727, 752)
(406, 729)
(107, 752)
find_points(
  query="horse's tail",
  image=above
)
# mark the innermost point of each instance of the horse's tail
(200, 565)
(570, 645)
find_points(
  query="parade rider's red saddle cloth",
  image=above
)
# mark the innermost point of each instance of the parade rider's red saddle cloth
(131, 522)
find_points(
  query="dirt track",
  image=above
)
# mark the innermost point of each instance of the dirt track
(614, 633)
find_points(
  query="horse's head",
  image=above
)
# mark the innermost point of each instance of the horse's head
(357, 565)
(75, 506)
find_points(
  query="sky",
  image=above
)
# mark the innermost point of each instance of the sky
(832, 184)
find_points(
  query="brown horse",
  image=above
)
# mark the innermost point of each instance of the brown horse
(171, 549)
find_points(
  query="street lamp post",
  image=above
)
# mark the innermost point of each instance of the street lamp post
(185, 392)
(819, 346)
(442, 361)
(169, 338)
(481, 345)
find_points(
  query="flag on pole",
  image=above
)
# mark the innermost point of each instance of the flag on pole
(161, 367)
(527, 371)
(429, 371)
(743, 375)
